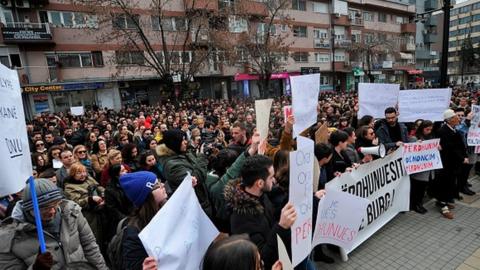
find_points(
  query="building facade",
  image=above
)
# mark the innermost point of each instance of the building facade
(61, 64)
(464, 28)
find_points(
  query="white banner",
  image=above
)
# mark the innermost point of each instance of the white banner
(78, 110)
(14, 147)
(421, 156)
(179, 234)
(301, 196)
(305, 89)
(338, 220)
(428, 104)
(473, 136)
(385, 184)
(262, 115)
(374, 98)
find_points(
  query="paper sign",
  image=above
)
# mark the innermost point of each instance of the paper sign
(473, 136)
(301, 196)
(477, 149)
(322, 134)
(338, 220)
(77, 110)
(374, 98)
(283, 255)
(287, 111)
(262, 113)
(14, 147)
(421, 157)
(179, 234)
(385, 183)
(428, 104)
(305, 90)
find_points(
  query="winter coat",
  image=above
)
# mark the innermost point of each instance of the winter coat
(286, 141)
(255, 216)
(99, 161)
(61, 174)
(175, 167)
(384, 135)
(133, 252)
(216, 184)
(19, 242)
(453, 149)
(81, 193)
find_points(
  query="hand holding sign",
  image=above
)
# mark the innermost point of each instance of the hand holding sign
(288, 216)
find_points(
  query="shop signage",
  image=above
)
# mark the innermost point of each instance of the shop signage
(26, 34)
(63, 87)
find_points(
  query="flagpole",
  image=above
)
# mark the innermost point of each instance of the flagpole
(38, 218)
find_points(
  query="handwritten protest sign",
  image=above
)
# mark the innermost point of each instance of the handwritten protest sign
(301, 196)
(262, 115)
(385, 183)
(78, 110)
(421, 156)
(338, 220)
(14, 147)
(179, 234)
(473, 136)
(374, 98)
(305, 90)
(423, 104)
(283, 255)
(287, 111)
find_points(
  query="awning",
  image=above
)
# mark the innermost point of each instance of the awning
(415, 71)
(407, 56)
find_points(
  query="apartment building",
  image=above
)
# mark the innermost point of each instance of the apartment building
(428, 33)
(464, 24)
(62, 64)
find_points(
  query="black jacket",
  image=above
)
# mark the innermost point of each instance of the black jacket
(133, 252)
(453, 148)
(117, 206)
(384, 135)
(255, 216)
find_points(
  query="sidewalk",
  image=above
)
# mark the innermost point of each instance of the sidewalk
(430, 241)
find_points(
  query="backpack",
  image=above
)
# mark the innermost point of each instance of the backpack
(114, 250)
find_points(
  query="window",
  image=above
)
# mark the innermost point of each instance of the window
(465, 20)
(7, 17)
(4, 60)
(69, 60)
(356, 37)
(320, 33)
(320, 7)
(241, 54)
(69, 19)
(300, 57)
(123, 21)
(130, 58)
(476, 6)
(237, 24)
(400, 20)
(382, 17)
(15, 60)
(465, 9)
(97, 58)
(322, 58)
(299, 5)
(325, 80)
(169, 23)
(367, 16)
(453, 23)
(300, 31)
(339, 58)
(75, 60)
(368, 38)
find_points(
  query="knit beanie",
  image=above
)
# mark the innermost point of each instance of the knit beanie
(46, 190)
(137, 186)
(173, 139)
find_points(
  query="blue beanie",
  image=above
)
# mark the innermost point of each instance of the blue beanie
(137, 186)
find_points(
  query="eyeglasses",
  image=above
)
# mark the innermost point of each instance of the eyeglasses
(81, 151)
(39, 144)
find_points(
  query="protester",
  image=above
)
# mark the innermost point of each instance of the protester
(390, 132)
(67, 159)
(80, 154)
(99, 156)
(69, 240)
(462, 128)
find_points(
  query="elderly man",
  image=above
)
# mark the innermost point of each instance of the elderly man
(69, 240)
(454, 155)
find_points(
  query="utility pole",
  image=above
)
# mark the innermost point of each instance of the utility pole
(446, 30)
(334, 77)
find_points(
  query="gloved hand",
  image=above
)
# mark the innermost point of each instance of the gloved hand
(43, 261)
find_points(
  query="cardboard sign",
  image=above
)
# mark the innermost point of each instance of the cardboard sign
(262, 115)
(473, 135)
(78, 111)
(421, 156)
(374, 98)
(428, 104)
(305, 89)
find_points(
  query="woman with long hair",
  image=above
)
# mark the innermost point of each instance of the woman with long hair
(40, 164)
(130, 155)
(99, 156)
(81, 155)
(148, 162)
(419, 181)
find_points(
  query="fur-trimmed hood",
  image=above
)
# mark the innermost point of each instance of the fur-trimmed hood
(163, 150)
(240, 201)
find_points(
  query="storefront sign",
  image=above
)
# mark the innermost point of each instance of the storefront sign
(26, 34)
(250, 77)
(63, 87)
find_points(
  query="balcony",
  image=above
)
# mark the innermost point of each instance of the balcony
(340, 20)
(199, 39)
(409, 47)
(425, 54)
(430, 38)
(431, 21)
(431, 5)
(321, 43)
(356, 21)
(20, 33)
(408, 28)
(205, 5)
(343, 43)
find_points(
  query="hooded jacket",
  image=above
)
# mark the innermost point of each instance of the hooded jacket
(255, 216)
(76, 246)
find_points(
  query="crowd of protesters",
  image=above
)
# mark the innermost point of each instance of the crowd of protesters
(101, 177)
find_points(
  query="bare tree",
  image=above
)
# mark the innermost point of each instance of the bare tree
(175, 47)
(263, 45)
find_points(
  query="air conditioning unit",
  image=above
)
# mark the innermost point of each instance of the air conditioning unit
(6, 3)
(22, 3)
(337, 15)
